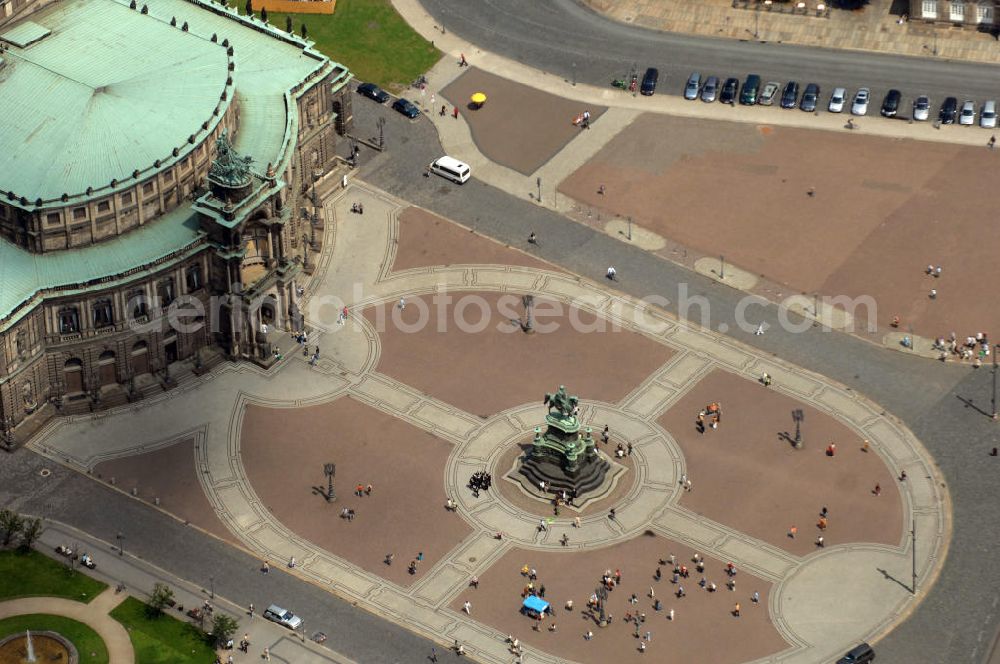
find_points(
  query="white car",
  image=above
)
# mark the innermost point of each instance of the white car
(922, 108)
(860, 105)
(770, 90)
(283, 617)
(968, 114)
(837, 100)
(988, 116)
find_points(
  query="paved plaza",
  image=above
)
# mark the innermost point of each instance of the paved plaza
(403, 426)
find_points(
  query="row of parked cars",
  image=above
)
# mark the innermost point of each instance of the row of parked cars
(378, 95)
(754, 91)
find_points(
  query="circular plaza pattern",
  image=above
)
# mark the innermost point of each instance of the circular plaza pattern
(415, 414)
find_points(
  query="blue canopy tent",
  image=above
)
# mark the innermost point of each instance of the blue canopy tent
(534, 606)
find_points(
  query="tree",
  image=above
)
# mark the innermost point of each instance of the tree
(249, 8)
(305, 33)
(288, 24)
(160, 598)
(223, 627)
(10, 525)
(263, 14)
(31, 530)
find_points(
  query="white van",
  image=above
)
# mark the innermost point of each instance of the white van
(452, 169)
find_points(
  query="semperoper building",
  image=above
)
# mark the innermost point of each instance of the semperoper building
(151, 152)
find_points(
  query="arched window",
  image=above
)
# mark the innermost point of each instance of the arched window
(138, 304)
(69, 320)
(193, 277)
(104, 313)
(165, 291)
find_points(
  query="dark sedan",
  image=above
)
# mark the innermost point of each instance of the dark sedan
(890, 105)
(406, 107)
(373, 92)
(790, 96)
(949, 111)
(729, 91)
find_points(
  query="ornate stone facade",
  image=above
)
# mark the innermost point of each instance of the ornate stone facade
(83, 343)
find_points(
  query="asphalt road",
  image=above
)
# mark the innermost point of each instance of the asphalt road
(943, 405)
(572, 42)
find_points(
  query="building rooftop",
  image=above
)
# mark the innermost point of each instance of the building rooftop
(106, 92)
(269, 69)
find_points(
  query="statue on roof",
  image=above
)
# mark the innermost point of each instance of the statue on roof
(229, 169)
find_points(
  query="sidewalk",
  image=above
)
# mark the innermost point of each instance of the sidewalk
(139, 577)
(872, 29)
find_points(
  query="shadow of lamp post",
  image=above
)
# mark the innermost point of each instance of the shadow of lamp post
(798, 416)
(330, 469)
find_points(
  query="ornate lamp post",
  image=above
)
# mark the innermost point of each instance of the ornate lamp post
(798, 416)
(121, 543)
(529, 315)
(602, 598)
(8, 432)
(330, 469)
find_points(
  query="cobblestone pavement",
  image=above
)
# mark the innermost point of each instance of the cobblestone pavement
(850, 600)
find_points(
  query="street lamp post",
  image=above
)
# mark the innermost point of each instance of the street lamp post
(630, 229)
(798, 416)
(211, 587)
(913, 546)
(330, 469)
(722, 267)
(574, 74)
(121, 544)
(538, 181)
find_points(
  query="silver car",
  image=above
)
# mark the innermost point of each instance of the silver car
(860, 105)
(837, 100)
(988, 116)
(922, 108)
(968, 114)
(693, 86)
(283, 617)
(769, 92)
(711, 89)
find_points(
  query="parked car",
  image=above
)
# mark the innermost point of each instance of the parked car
(968, 115)
(711, 89)
(810, 97)
(949, 111)
(767, 95)
(860, 104)
(406, 107)
(373, 92)
(282, 616)
(729, 90)
(649, 80)
(837, 100)
(861, 654)
(693, 86)
(922, 108)
(790, 95)
(751, 88)
(890, 105)
(988, 116)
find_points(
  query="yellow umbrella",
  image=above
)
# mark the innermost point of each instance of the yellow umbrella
(478, 98)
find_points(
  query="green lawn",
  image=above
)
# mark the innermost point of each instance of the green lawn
(88, 644)
(162, 640)
(33, 574)
(367, 36)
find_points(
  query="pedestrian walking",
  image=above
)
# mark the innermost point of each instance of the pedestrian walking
(267, 654)
(542, 527)
(877, 490)
(467, 607)
(434, 655)
(432, 100)
(791, 531)
(736, 610)
(652, 593)
(265, 568)
(402, 303)
(759, 331)
(601, 190)
(902, 476)
(454, 112)
(576, 522)
(670, 615)
(612, 272)
(649, 636)
(532, 239)
(251, 609)
(642, 646)
(755, 598)
(687, 485)
(820, 542)
(992, 142)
